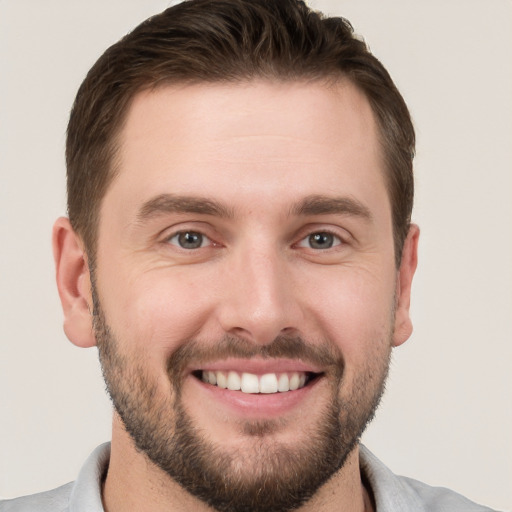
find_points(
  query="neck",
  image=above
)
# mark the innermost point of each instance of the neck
(135, 483)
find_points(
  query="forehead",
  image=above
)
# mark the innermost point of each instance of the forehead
(275, 139)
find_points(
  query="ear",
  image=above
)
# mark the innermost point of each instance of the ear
(73, 283)
(403, 324)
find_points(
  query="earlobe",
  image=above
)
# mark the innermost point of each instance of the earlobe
(409, 262)
(73, 283)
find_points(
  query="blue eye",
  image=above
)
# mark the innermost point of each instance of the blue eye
(189, 240)
(320, 240)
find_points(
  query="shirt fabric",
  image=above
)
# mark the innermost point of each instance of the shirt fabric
(392, 493)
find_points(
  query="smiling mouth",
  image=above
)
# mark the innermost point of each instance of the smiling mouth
(251, 383)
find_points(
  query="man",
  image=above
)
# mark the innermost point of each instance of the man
(239, 248)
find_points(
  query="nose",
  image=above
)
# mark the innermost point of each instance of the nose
(260, 301)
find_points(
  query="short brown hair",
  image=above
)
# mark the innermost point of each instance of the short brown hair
(227, 41)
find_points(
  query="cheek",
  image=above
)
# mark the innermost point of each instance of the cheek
(156, 311)
(357, 311)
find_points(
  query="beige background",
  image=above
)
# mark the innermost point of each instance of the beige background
(447, 416)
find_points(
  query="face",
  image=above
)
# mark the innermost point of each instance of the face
(245, 288)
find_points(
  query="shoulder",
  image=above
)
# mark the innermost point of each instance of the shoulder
(440, 499)
(83, 495)
(393, 493)
(56, 500)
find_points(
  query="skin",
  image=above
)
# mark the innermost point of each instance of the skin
(259, 150)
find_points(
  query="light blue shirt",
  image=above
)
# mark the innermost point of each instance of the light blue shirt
(392, 493)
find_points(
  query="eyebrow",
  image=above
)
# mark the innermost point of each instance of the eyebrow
(169, 203)
(310, 205)
(325, 205)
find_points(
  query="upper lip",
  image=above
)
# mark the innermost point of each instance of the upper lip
(258, 366)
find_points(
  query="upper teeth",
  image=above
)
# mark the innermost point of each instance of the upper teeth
(251, 383)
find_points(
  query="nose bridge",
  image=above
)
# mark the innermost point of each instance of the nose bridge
(260, 302)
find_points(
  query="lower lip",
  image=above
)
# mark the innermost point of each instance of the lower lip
(258, 405)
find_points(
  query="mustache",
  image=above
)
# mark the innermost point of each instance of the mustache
(194, 353)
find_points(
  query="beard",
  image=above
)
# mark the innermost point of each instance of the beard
(266, 475)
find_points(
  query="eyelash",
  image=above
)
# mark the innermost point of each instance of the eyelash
(189, 232)
(337, 240)
(205, 241)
